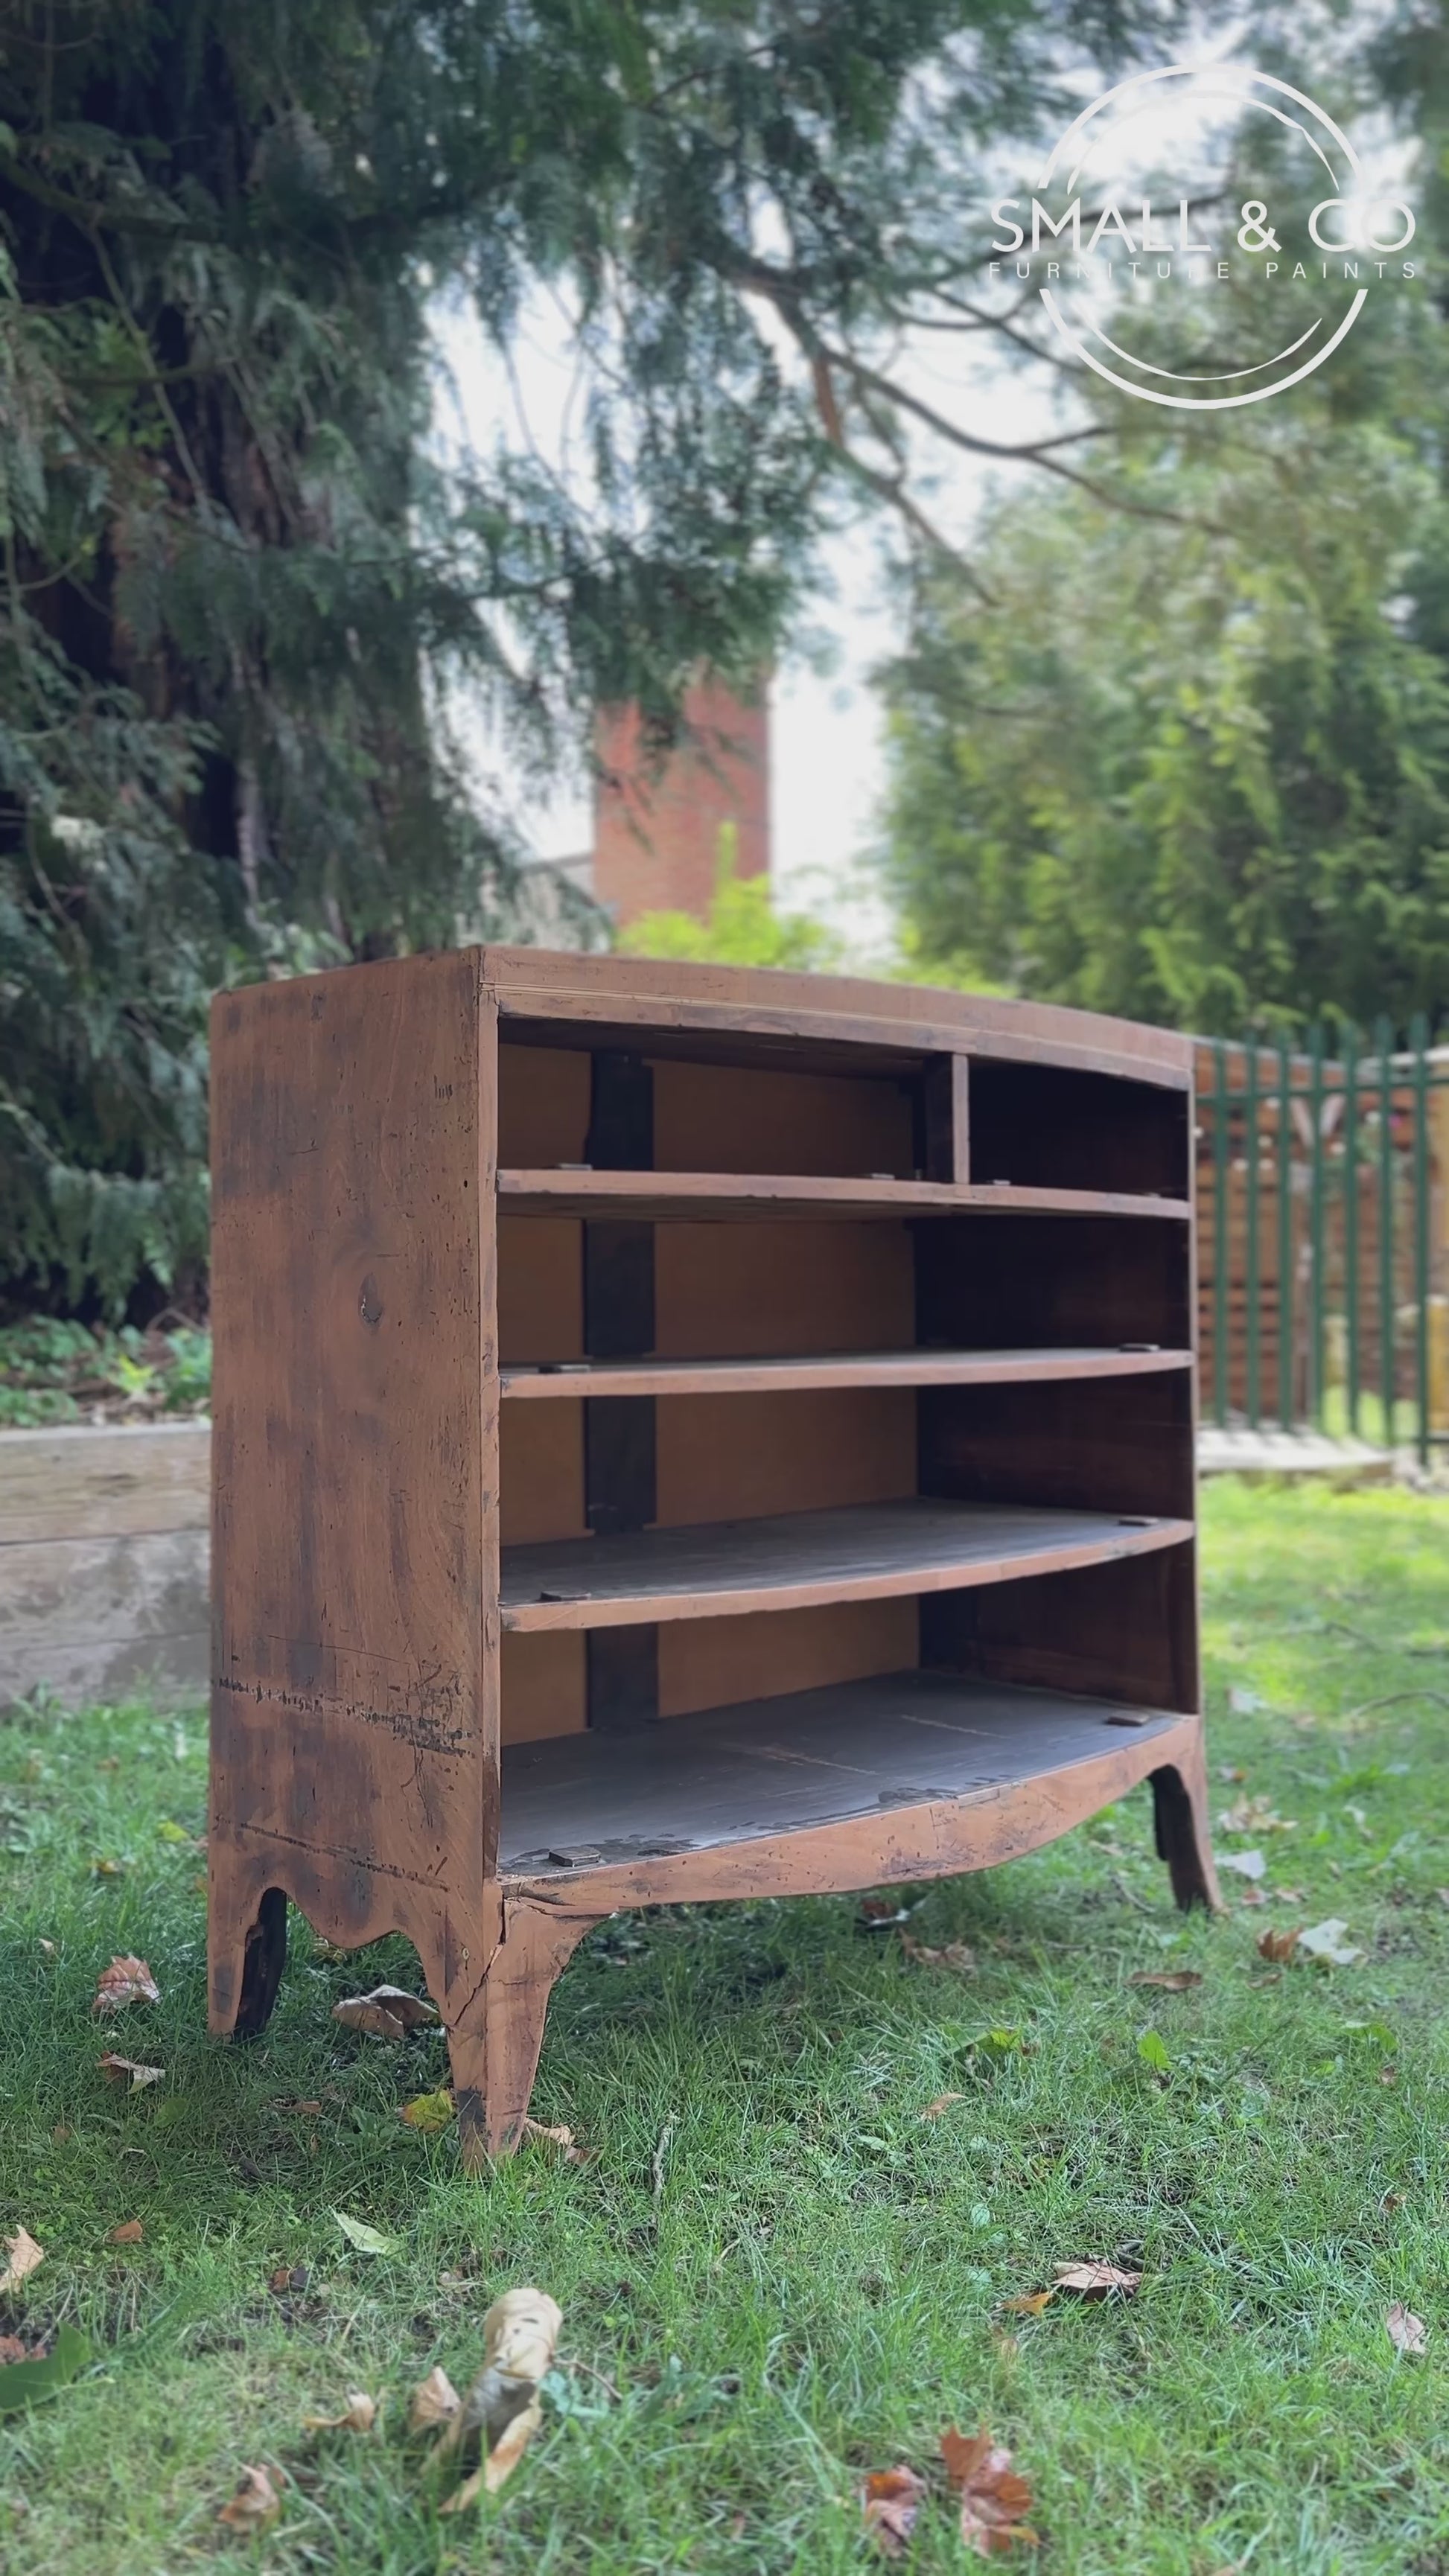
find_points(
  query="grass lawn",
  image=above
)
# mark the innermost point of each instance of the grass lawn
(775, 2274)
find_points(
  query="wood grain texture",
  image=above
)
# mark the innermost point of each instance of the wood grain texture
(805, 1370)
(108, 1481)
(772, 1286)
(354, 1706)
(1123, 1631)
(732, 1118)
(866, 1553)
(656, 1197)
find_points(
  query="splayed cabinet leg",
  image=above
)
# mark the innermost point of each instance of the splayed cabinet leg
(1183, 1841)
(246, 1946)
(494, 2044)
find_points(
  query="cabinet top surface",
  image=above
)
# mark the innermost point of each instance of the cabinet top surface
(557, 984)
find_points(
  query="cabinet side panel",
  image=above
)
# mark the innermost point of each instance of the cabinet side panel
(354, 1445)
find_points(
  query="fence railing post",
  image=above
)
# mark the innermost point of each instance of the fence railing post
(1384, 1038)
(1317, 1282)
(1350, 1219)
(1419, 1046)
(1286, 1405)
(1253, 1283)
(1222, 1311)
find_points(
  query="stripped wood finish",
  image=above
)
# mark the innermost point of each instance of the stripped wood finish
(912, 1592)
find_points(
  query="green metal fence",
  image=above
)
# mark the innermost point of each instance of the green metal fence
(1323, 1210)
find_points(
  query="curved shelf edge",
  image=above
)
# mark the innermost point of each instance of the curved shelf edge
(538, 1381)
(937, 1839)
(703, 1197)
(632, 1608)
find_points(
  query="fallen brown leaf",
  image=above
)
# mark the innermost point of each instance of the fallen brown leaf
(890, 2502)
(956, 1954)
(389, 2012)
(994, 2498)
(1096, 2280)
(1027, 2303)
(1274, 1977)
(933, 2111)
(124, 2070)
(520, 2336)
(299, 2110)
(130, 2232)
(1254, 1896)
(14, 2348)
(1277, 1945)
(1405, 2331)
(1173, 1981)
(24, 2255)
(536, 2133)
(358, 2416)
(434, 2401)
(1255, 1816)
(256, 2503)
(879, 1912)
(125, 1981)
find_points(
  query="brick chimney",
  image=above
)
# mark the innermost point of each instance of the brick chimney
(656, 840)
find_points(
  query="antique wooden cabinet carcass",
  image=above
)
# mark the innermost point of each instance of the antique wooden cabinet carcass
(679, 1433)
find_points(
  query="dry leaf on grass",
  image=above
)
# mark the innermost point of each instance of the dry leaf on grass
(358, 2416)
(1248, 1864)
(1277, 1945)
(124, 2070)
(296, 2110)
(389, 2012)
(1173, 1981)
(520, 2337)
(428, 2112)
(535, 2133)
(890, 2502)
(125, 1981)
(878, 1913)
(256, 2503)
(1405, 2331)
(933, 2111)
(956, 1954)
(1325, 1941)
(1096, 2280)
(130, 2232)
(1254, 1896)
(1255, 1816)
(24, 2255)
(994, 2498)
(1027, 2303)
(434, 2401)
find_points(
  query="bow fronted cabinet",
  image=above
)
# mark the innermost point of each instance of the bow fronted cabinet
(681, 1434)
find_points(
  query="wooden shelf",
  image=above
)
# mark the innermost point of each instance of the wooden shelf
(701, 1197)
(781, 1766)
(830, 1369)
(791, 1561)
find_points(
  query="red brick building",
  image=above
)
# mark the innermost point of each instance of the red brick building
(656, 839)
